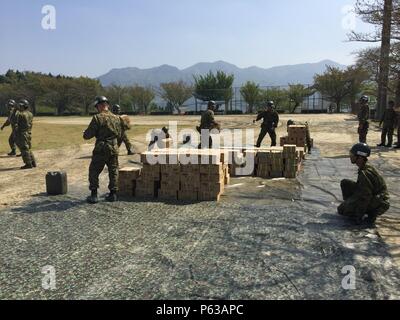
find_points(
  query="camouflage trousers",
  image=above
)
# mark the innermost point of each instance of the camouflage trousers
(24, 143)
(263, 133)
(12, 142)
(376, 205)
(387, 132)
(363, 132)
(99, 161)
(126, 141)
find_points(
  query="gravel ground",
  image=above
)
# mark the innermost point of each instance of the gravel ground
(265, 240)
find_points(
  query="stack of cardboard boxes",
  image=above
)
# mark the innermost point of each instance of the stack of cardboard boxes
(183, 177)
(128, 180)
(296, 136)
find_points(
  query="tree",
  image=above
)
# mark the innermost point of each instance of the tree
(383, 14)
(214, 87)
(176, 93)
(140, 98)
(334, 85)
(297, 93)
(85, 90)
(251, 94)
(277, 95)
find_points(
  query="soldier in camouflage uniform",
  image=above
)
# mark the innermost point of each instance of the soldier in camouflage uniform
(208, 122)
(389, 122)
(116, 109)
(367, 198)
(363, 117)
(107, 129)
(23, 134)
(308, 134)
(11, 120)
(270, 123)
(397, 110)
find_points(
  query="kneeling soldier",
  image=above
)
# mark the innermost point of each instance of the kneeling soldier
(369, 195)
(107, 129)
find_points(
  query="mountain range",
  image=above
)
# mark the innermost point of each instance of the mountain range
(275, 76)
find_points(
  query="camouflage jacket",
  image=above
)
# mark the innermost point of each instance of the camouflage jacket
(271, 119)
(24, 122)
(389, 118)
(107, 128)
(363, 114)
(12, 118)
(371, 190)
(208, 120)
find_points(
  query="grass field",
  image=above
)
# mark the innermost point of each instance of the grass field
(48, 136)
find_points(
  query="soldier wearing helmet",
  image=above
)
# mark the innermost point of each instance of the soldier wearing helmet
(363, 117)
(107, 129)
(116, 109)
(388, 121)
(23, 134)
(208, 123)
(270, 123)
(367, 198)
(11, 120)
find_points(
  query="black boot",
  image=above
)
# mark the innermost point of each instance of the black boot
(12, 153)
(93, 199)
(34, 164)
(130, 152)
(380, 145)
(112, 197)
(27, 166)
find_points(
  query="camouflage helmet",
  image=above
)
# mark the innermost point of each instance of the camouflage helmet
(270, 104)
(100, 99)
(24, 103)
(116, 109)
(290, 123)
(361, 150)
(11, 103)
(364, 99)
(212, 103)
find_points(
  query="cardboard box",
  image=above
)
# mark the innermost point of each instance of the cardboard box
(167, 194)
(187, 195)
(208, 196)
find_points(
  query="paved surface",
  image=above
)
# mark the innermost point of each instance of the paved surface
(264, 240)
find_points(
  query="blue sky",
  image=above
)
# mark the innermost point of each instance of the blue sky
(92, 37)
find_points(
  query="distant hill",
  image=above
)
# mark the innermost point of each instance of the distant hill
(281, 75)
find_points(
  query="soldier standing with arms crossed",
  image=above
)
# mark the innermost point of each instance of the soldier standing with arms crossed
(363, 117)
(12, 120)
(23, 134)
(107, 129)
(270, 123)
